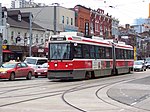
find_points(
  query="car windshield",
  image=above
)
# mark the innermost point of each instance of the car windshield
(8, 65)
(138, 63)
(30, 61)
(45, 65)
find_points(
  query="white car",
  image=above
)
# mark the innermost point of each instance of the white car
(35, 62)
(139, 66)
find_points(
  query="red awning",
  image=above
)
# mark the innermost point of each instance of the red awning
(7, 51)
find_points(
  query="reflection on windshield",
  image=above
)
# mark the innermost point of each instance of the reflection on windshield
(59, 51)
(138, 63)
(8, 65)
(30, 61)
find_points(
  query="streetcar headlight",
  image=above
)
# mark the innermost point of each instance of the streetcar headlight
(55, 64)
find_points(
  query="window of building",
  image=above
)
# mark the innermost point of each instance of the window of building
(67, 20)
(12, 34)
(71, 21)
(19, 17)
(41, 35)
(42, 41)
(37, 40)
(63, 19)
(96, 25)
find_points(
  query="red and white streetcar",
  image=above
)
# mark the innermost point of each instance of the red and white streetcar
(72, 56)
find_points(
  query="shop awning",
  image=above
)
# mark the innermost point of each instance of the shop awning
(7, 51)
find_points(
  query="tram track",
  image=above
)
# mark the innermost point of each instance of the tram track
(102, 86)
(34, 96)
(65, 89)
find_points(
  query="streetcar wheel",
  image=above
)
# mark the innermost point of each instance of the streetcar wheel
(129, 70)
(87, 75)
(29, 76)
(12, 76)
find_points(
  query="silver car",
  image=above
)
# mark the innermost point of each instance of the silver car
(139, 65)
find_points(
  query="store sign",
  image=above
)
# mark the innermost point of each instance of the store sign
(4, 47)
(40, 50)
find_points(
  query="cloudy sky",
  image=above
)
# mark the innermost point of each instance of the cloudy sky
(124, 10)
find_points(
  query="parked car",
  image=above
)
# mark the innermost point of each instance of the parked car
(12, 70)
(148, 64)
(41, 70)
(35, 62)
(147, 61)
(139, 66)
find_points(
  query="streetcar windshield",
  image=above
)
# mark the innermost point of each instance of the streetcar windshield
(59, 51)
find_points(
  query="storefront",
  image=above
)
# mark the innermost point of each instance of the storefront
(19, 51)
(13, 52)
(39, 52)
(7, 54)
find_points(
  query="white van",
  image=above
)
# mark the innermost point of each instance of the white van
(35, 62)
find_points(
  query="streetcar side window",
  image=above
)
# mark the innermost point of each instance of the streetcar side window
(102, 52)
(97, 52)
(108, 53)
(77, 51)
(125, 54)
(86, 52)
(121, 53)
(130, 54)
(92, 51)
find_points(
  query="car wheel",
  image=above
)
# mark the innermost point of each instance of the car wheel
(12, 76)
(142, 69)
(36, 76)
(29, 76)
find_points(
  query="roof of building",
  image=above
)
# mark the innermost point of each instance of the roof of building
(24, 23)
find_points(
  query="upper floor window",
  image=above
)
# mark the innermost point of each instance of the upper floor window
(42, 41)
(37, 40)
(67, 20)
(63, 19)
(19, 17)
(12, 35)
(18, 33)
(71, 21)
(36, 35)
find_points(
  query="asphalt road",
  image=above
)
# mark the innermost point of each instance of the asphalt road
(123, 93)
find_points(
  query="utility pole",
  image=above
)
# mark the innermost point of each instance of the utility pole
(55, 16)
(30, 37)
(1, 50)
(54, 19)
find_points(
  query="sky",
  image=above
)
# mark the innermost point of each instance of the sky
(126, 11)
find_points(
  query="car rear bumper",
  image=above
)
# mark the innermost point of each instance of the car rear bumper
(40, 74)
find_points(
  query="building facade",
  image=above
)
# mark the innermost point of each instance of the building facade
(16, 36)
(101, 24)
(82, 19)
(53, 18)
